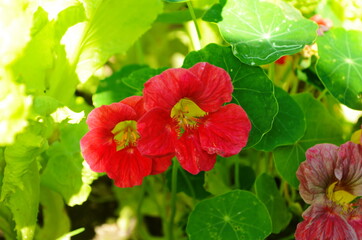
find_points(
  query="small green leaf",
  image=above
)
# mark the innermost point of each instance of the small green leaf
(234, 215)
(188, 183)
(260, 32)
(214, 13)
(288, 126)
(321, 128)
(252, 88)
(267, 191)
(340, 65)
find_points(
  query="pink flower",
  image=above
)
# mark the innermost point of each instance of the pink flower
(186, 117)
(329, 221)
(331, 181)
(111, 144)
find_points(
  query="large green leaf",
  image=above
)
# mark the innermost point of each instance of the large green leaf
(112, 27)
(288, 126)
(65, 172)
(112, 89)
(260, 31)
(340, 65)
(267, 191)
(127, 82)
(234, 215)
(321, 128)
(252, 88)
(53, 211)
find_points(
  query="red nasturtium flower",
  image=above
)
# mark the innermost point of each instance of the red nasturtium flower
(331, 181)
(186, 117)
(111, 144)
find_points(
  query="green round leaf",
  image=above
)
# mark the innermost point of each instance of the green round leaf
(321, 128)
(288, 126)
(268, 193)
(260, 32)
(252, 88)
(340, 65)
(234, 215)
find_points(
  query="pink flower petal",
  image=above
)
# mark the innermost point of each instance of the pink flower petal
(97, 146)
(350, 164)
(317, 172)
(226, 131)
(322, 222)
(355, 218)
(157, 134)
(108, 116)
(216, 86)
(191, 156)
(128, 167)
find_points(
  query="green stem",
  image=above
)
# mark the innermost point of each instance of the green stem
(193, 16)
(322, 94)
(173, 198)
(236, 173)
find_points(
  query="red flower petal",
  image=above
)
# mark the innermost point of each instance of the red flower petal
(97, 147)
(107, 116)
(157, 134)
(322, 222)
(191, 156)
(226, 131)
(216, 86)
(349, 164)
(128, 167)
(159, 165)
(317, 172)
(136, 102)
(166, 89)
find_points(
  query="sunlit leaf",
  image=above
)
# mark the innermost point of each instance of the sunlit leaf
(321, 128)
(12, 119)
(267, 191)
(112, 28)
(234, 215)
(288, 126)
(260, 32)
(340, 65)
(65, 172)
(252, 88)
(178, 16)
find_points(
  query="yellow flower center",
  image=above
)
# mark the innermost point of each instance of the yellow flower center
(186, 113)
(125, 134)
(339, 195)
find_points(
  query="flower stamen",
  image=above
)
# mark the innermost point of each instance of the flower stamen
(125, 134)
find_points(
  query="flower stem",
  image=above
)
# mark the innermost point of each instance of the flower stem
(193, 16)
(236, 173)
(173, 198)
(322, 94)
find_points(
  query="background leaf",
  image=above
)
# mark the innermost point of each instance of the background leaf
(252, 88)
(288, 126)
(260, 32)
(267, 191)
(321, 128)
(112, 28)
(340, 65)
(234, 215)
